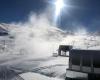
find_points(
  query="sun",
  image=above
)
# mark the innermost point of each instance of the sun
(59, 5)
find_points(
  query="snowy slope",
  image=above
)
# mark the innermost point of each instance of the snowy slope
(33, 46)
(52, 68)
(35, 76)
(48, 70)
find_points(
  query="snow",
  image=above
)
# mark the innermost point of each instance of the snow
(30, 51)
(35, 76)
(58, 60)
(48, 68)
(54, 68)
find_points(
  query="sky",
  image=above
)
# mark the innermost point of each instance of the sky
(84, 13)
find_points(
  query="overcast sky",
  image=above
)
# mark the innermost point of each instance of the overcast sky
(84, 12)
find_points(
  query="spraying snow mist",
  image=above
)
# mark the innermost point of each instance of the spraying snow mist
(37, 37)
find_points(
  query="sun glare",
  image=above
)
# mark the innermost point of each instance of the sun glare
(59, 5)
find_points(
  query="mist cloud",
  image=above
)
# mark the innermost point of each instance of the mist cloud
(38, 37)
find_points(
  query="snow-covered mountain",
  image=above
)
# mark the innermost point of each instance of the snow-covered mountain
(28, 38)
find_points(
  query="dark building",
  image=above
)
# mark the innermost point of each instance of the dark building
(63, 49)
